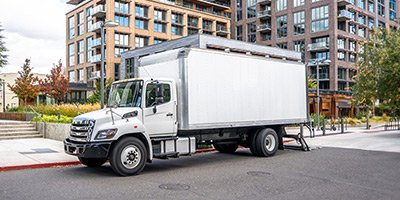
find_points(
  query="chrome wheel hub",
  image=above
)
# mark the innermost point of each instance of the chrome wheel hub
(131, 156)
(270, 142)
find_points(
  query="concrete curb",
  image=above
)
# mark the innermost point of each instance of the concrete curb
(73, 163)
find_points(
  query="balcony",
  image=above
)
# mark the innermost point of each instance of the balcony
(96, 27)
(96, 43)
(207, 27)
(322, 76)
(313, 62)
(320, 46)
(264, 2)
(264, 28)
(95, 75)
(264, 14)
(99, 11)
(193, 24)
(343, 2)
(223, 31)
(96, 59)
(344, 15)
(216, 4)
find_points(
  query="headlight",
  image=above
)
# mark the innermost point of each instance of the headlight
(106, 134)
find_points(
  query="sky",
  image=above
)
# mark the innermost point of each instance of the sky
(34, 29)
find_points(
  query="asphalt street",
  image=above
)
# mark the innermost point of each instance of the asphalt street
(326, 173)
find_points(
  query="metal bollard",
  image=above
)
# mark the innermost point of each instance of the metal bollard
(342, 126)
(323, 127)
(59, 115)
(41, 114)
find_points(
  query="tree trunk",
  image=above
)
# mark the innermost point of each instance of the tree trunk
(367, 118)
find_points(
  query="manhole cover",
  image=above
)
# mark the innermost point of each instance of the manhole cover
(171, 186)
(258, 173)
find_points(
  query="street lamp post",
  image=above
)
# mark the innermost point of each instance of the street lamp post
(318, 62)
(103, 26)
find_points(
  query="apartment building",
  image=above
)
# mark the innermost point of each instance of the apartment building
(322, 29)
(140, 23)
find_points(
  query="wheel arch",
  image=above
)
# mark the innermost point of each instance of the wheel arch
(142, 137)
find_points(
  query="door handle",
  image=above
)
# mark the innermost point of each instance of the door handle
(169, 114)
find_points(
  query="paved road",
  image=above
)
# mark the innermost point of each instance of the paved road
(327, 173)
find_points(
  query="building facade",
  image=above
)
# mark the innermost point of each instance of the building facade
(140, 23)
(324, 30)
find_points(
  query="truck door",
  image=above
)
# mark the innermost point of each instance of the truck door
(160, 119)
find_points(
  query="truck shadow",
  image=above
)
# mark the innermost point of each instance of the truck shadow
(172, 164)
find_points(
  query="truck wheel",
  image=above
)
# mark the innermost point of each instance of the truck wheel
(266, 142)
(252, 143)
(128, 157)
(92, 162)
(226, 148)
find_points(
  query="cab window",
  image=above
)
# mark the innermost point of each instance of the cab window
(151, 94)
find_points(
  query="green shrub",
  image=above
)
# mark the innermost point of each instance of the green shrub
(54, 119)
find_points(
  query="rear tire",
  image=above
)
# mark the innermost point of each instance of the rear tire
(226, 148)
(128, 157)
(92, 162)
(266, 142)
(252, 142)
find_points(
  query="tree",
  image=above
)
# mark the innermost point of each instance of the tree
(312, 83)
(23, 86)
(378, 69)
(96, 97)
(3, 57)
(55, 85)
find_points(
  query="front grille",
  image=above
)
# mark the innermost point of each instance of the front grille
(81, 129)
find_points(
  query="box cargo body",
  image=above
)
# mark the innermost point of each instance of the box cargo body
(226, 90)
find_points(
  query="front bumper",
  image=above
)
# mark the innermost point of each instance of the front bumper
(87, 150)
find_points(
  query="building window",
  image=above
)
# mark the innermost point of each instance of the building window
(80, 24)
(342, 25)
(352, 28)
(121, 7)
(81, 50)
(187, 4)
(352, 45)
(352, 73)
(141, 41)
(251, 32)
(176, 30)
(298, 3)
(122, 20)
(89, 81)
(320, 55)
(324, 40)
(341, 43)
(116, 72)
(353, 16)
(361, 4)
(192, 31)
(341, 85)
(265, 36)
(381, 24)
(281, 5)
(361, 31)
(341, 74)
(129, 67)
(89, 19)
(207, 25)
(201, 8)
(239, 11)
(159, 27)
(239, 32)
(89, 49)
(80, 75)
(121, 39)
(160, 15)
(281, 26)
(176, 18)
(119, 50)
(158, 41)
(320, 19)
(71, 54)
(361, 19)
(71, 27)
(141, 11)
(141, 24)
(341, 56)
(299, 46)
(352, 58)
(371, 6)
(251, 8)
(193, 21)
(298, 23)
(282, 45)
(392, 9)
(71, 76)
(381, 8)
(371, 23)
(312, 1)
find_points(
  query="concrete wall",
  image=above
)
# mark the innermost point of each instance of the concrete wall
(54, 131)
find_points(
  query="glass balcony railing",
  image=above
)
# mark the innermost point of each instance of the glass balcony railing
(209, 11)
(96, 42)
(321, 76)
(265, 13)
(318, 46)
(345, 15)
(96, 27)
(99, 11)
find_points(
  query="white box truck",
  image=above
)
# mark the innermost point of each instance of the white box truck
(190, 96)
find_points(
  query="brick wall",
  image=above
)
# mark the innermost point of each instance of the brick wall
(13, 116)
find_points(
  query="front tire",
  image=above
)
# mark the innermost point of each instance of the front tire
(128, 157)
(92, 162)
(266, 142)
(226, 148)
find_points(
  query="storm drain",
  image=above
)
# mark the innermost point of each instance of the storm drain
(258, 173)
(171, 186)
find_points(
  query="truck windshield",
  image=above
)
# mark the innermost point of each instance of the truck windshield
(126, 94)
